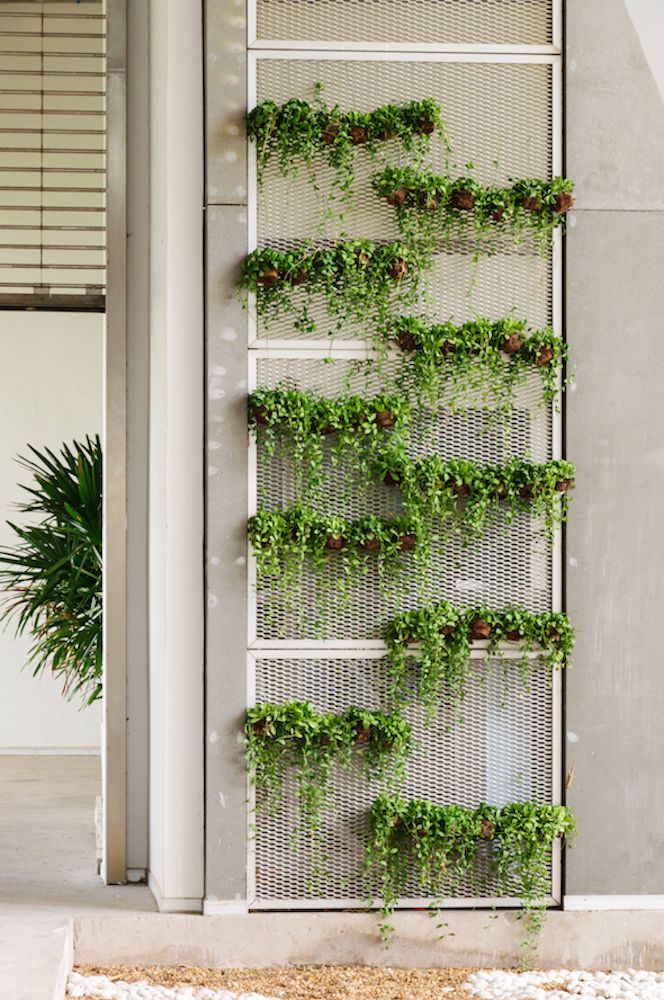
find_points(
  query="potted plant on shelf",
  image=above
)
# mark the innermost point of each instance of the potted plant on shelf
(431, 207)
(299, 132)
(440, 846)
(482, 359)
(435, 642)
(293, 738)
(360, 281)
(301, 422)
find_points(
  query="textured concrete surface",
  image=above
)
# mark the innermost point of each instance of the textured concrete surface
(226, 580)
(614, 110)
(48, 869)
(615, 416)
(615, 538)
(569, 940)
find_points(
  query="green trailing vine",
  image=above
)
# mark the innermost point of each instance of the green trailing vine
(492, 358)
(434, 645)
(285, 540)
(360, 280)
(441, 846)
(467, 495)
(299, 132)
(301, 422)
(295, 738)
(431, 207)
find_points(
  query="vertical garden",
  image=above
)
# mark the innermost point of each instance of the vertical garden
(408, 490)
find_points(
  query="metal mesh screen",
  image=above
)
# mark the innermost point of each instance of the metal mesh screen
(500, 117)
(499, 752)
(497, 22)
(465, 573)
(52, 153)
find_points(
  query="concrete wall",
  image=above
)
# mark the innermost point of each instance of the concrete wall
(615, 426)
(614, 700)
(50, 392)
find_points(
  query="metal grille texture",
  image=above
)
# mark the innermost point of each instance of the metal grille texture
(52, 153)
(499, 116)
(464, 573)
(489, 22)
(500, 751)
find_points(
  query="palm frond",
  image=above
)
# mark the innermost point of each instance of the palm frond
(52, 575)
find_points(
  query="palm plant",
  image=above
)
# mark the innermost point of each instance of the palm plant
(53, 573)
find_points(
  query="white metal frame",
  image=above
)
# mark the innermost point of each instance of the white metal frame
(478, 653)
(317, 46)
(265, 347)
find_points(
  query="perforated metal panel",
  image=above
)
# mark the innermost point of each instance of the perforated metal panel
(498, 116)
(499, 752)
(506, 22)
(463, 573)
(501, 113)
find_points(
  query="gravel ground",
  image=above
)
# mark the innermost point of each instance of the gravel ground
(307, 982)
(359, 982)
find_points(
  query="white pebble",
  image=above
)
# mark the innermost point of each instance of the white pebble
(102, 988)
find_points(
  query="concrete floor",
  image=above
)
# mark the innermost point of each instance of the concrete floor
(48, 869)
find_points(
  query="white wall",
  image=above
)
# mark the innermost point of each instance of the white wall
(50, 392)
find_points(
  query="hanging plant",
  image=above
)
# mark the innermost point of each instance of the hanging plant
(297, 133)
(467, 495)
(360, 280)
(301, 422)
(492, 358)
(434, 645)
(431, 207)
(440, 845)
(295, 738)
(285, 540)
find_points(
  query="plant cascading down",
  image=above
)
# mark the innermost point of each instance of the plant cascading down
(374, 288)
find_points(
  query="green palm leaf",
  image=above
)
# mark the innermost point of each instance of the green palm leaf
(52, 575)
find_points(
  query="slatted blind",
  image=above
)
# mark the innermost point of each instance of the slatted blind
(52, 154)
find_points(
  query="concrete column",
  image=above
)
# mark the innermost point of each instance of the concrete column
(138, 265)
(226, 193)
(615, 422)
(176, 447)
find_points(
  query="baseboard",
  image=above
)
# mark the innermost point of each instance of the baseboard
(50, 752)
(137, 875)
(66, 962)
(477, 939)
(225, 907)
(173, 904)
(644, 902)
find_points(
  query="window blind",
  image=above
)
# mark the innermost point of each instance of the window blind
(52, 154)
